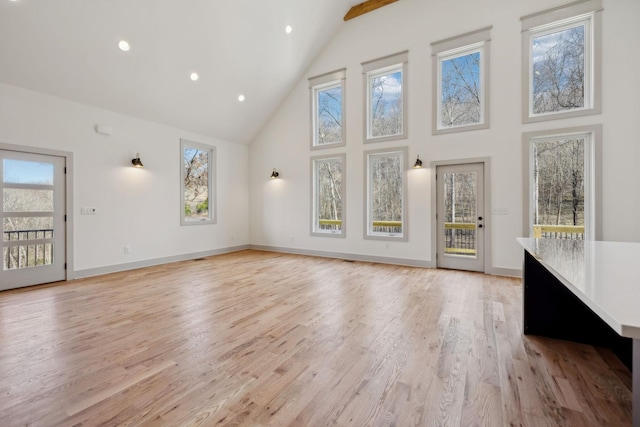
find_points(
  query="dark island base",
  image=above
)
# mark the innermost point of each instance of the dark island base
(552, 310)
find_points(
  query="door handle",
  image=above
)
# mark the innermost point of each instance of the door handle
(480, 225)
(479, 218)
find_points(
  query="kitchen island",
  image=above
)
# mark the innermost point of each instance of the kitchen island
(587, 292)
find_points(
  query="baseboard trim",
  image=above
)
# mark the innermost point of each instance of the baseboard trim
(345, 256)
(98, 271)
(507, 272)
(80, 274)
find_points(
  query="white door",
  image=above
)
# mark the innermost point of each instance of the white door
(460, 216)
(32, 218)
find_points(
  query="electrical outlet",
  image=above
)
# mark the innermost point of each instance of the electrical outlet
(88, 211)
(127, 249)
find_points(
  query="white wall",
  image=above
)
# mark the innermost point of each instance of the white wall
(280, 209)
(136, 207)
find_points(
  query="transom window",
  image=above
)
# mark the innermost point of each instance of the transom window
(197, 183)
(386, 103)
(386, 194)
(327, 109)
(328, 177)
(562, 62)
(462, 82)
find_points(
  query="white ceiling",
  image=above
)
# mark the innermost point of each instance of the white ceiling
(68, 48)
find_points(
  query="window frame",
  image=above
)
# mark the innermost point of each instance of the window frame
(316, 85)
(379, 67)
(367, 232)
(211, 167)
(592, 176)
(315, 231)
(454, 47)
(587, 12)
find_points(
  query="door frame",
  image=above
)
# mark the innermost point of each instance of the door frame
(488, 231)
(68, 156)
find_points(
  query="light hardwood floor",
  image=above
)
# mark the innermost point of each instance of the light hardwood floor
(266, 339)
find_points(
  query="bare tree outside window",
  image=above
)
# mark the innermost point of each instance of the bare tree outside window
(328, 193)
(327, 109)
(562, 62)
(198, 195)
(559, 181)
(558, 73)
(386, 180)
(329, 115)
(20, 201)
(460, 212)
(558, 185)
(460, 90)
(386, 104)
(460, 191)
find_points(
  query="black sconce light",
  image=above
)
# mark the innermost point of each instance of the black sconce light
(274, 174)
(136, 162)
(418, 163)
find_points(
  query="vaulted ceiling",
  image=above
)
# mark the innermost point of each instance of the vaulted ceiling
(69, 49)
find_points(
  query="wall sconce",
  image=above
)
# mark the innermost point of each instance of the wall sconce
(274, 174)
(418, 164)
(136, 162)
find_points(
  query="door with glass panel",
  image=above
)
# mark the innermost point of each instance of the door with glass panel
(460, 218)
(32, 218)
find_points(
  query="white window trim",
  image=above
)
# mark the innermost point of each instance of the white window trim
(442, 50)
(592, 175)
(343, 229)
(213, 205)
(316, 84)
(381, 66)
(367, 202)
(553, 20)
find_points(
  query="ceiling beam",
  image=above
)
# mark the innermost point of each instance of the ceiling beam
(366, 7)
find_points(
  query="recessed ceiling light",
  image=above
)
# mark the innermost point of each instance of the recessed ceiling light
(123, 45)
(241, 98)
(194, 76)
(288, 29)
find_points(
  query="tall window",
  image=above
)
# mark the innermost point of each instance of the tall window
(461, 68)
(386, 194)
(327, 109)
(328, 195)
(562, 62)
(561, 184)
(197, 163)
(386, 103)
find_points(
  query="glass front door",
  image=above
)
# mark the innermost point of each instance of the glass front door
(32, 218)
(461, 216)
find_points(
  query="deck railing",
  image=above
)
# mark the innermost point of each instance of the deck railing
(330, 224)
(378, 226)
(32, 252)
(569, 232)
(460, 238)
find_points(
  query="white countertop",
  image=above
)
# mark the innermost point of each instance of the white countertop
(604, 275)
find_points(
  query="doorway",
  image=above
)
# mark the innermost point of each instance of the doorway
(460, 219)
(33, 219)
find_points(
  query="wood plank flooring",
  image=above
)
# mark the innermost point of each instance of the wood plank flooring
(266, 339)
